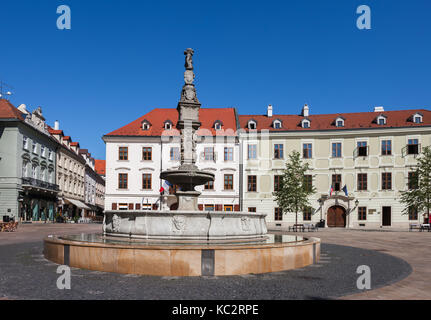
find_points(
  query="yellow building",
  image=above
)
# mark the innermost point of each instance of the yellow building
(371, 154)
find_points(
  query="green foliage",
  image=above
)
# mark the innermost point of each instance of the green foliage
(419, 197)
(293, 193)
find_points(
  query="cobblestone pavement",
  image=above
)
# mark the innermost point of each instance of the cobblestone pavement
(26, 274)
(413, 247)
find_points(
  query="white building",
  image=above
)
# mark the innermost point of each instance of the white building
(139, 151)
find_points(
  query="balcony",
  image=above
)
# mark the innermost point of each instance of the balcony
(39, 184)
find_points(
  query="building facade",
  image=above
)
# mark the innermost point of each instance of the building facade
(28, 187)
(139, 151)
(370, 155)
(359, 163)
(70, 176)
(94, 186)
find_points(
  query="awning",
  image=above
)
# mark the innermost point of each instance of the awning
(77, 203)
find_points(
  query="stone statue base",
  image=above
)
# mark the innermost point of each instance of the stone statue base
(187, 200)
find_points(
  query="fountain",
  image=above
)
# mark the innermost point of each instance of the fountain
(186, 241)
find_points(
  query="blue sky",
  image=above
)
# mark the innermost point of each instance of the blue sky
(123, 58)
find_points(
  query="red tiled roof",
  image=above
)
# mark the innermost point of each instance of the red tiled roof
(157, 118)
(359, 120)
(75, 144)
(52, 131)
(67, 138)
(100, 166)
(8, 111)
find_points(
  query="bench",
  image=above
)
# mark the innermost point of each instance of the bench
(414, 226)
(425, 226)
(311, 227)
(295, 227)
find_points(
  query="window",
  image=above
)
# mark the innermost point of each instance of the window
(339, 122)
(42, 151)
(336, 182)
(34, 147)
(278, 215)
(123, 153)
(381, 120)
(217, 125)
(122, 181)
(336, 150)
(306, 215)
(362, 181)
(252, 151)
(413, 213)
(277, 182)
(277, 124)
(147, 153)
(252, 125)
(251, 184)
(228, 154)
(305, 124)
(251, 209)
(278, 151)
(228, 181)
(34, 171)
(306, 150)
(42, 174)
(209, 153)
(25, 142)
(209, 185)
(168, 125)
(24, 169)
(308, 182)
(175, 153)
(209, 207)
(413, 146)
(123, 206)
(386, 147)
(146, 181)
(228, 207)
(412, 180)
(362, 149)
(145, 125)
(362, 213)
(417, 119)
(50, 154)
(386, 181)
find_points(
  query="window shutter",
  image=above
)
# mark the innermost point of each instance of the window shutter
(155, 206)
(130, 206)
(201, 207)
(236, 207)
(114, 206)
(138, 206)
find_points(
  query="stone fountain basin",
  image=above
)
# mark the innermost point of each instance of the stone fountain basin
(185, 225)
(187, 178)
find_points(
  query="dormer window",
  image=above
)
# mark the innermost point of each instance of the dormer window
(218, 125)
(305, 123)
(417, 118)
(339, 122)
(168, 125)
(381, 120)
(146, 125)
(252, 125)
(277, 124)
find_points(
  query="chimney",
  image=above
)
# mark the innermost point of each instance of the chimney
(56, 125)
(379, 109)
(305, 110)
(269, 112)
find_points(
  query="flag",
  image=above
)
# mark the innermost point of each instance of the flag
(165, 186)
(331, 190)
(345, 190)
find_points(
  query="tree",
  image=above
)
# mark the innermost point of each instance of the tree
(418, 195)
(293, 192)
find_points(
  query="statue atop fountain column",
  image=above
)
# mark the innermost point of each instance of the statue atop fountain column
(188, 176)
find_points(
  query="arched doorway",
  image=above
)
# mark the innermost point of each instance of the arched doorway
(336, 217)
